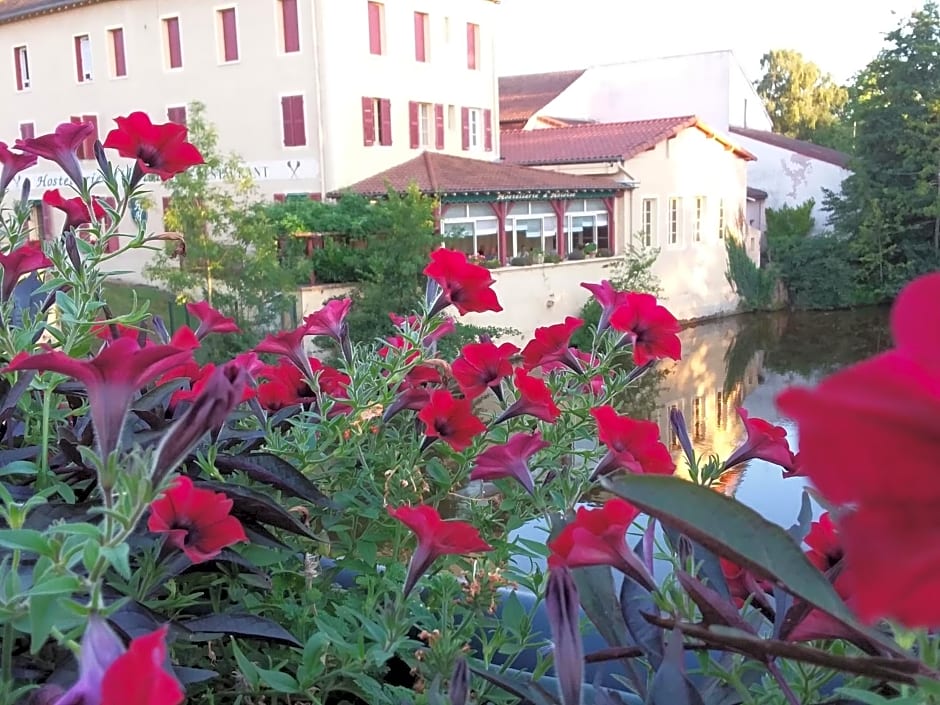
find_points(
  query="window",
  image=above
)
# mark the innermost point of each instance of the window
(376, 28)
(451, 117)
(376, 121)
(27, 130)
(86, 150)
(118, 61)
(674, 206)
(586, 222)
(422, 120)
(290, 26)
(699, 215)
(83, 66)
(177, 114)
(21, 64)
(472, 229)
(721, 219)
(649, 221)
(292, 120)
(474, 128)
(422, 37)
(473, 46)
(227, 34)
(532, 228)
(174, 49)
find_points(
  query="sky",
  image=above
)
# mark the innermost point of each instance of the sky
(841, 36)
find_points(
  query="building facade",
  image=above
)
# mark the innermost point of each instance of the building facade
(313, 95)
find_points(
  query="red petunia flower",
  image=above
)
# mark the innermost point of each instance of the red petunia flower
(510, 459)
(288, 344)
(824, 543)
(24, 259)
(464, 285)
(587, 361)
(76, 210)
(450, 419)
(765, 442)
(111, 379)
(284, 385)
(598, 537)
(653, 330)
(414, 392)
(195, 520)
(436, 537)
(533, 398)
(210, 320)
(13, 163)
(158, 149)
(483, 366)
(743, 585)
(330, 320)
(869, 441)
(138, 677)
(60, 147)
(632, 445)
(609, 298)
(552, 344)
(113, 331)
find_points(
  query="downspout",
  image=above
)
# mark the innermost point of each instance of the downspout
(632, 183)
(318, 97)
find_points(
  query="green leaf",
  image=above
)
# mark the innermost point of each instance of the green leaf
(44, 612)
(59, 585)
(26, 540)
(869, 698)
(247, 668)
(277, 681)
(119, 558)
(731, 529)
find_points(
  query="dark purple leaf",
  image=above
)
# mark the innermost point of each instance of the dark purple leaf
(635, 600)
(522, 687)
(254, 506)
(670, 685)
(190, 676)
(248, 626)
(274, 471)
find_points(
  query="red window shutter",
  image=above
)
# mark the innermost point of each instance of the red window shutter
(89, 145)
(291, 26)
(287, 121)
(375, 28)
(19, 69)
(420, 37)
(413, 124)
(229, 34)
(27, 130)
(439, 126)
(465, 128)
(368, 121)
(173, 42)
(177, 114)
(120, 63)
(300, 127)
(488, 130)
(315, 196)
(279, 198)
(79, 69)
(472, 42)
(385, 122)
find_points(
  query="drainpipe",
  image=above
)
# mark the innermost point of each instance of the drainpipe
(632, 184)
(318, 97)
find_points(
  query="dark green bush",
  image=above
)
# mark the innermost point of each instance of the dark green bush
(520, 261)
(336, 263)
(818, 272)
(576, 255)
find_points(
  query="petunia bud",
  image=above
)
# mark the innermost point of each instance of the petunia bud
(71, 249)
(100, 648)
(677, 420)
(222, 393)
(459, 682)
(103, 163)
(563, 606)
(24, 193)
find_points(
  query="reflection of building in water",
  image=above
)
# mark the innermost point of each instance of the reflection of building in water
(708, 385)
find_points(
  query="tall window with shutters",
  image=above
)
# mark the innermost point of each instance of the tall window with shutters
(227, 33)
(292, 121)
(376, 121)
(21, 67)
(83, 63)
(473, 46)
(290, 26)
(116, 58)
(699, 217)
(376, 28)
(649, 222)
(171, 41)
(422, 37)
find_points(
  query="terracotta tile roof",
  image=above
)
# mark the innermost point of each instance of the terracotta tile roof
(807, 149)
(521, 97)
(444, 174)
(599, 142)
(13, 10)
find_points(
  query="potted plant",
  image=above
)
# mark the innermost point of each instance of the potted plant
(590, 249)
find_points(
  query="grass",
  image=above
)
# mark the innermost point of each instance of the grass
(120, 298)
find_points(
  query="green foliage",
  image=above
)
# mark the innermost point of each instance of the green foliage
(231, 256)
(789, 222)
(818, 272)
(632, 272)
(803, 102)
(890, 204)
(754, 285)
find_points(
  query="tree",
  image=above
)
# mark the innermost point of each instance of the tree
(803, 102)
(890, 206)
(231, 255)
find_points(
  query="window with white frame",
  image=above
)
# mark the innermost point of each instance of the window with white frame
(721, 219)
(21, 65)
(649, 221)
(532, 227)
(586, 223)
(83, 58)
(471, 228)
(425, 124)
(475, 127)
(699, 217)
(675, 205)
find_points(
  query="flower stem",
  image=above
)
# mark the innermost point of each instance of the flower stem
(44, 449)
(6, 660)
(782, 682)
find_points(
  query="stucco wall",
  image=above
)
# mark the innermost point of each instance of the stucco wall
(790, 178)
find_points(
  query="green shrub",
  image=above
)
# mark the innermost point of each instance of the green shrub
(336, 263)
(818, 272)
(754, 285)
(520, 261)
(552, 259)
(576, 255)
